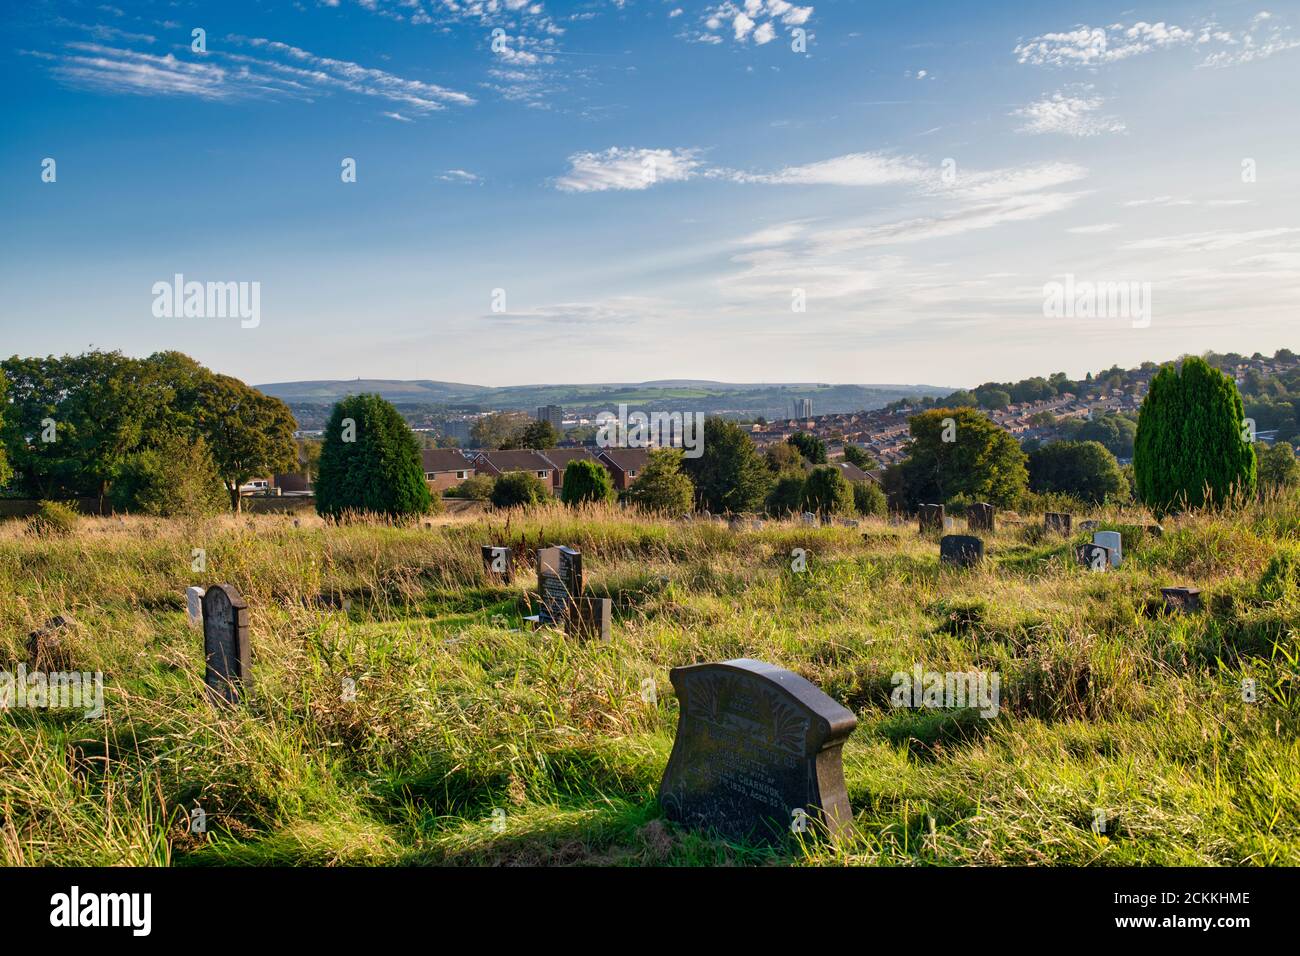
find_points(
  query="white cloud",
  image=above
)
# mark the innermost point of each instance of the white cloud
(1209, 241)
(1093, 230)
(853, 169)
(1069, 112)
(627, 168)
(459, 176)
(745, 20)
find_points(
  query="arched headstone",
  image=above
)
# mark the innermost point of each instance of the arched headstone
(225, 643)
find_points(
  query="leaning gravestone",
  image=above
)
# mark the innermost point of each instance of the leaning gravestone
(757, 753)
(1093, 556)
(1057, 522)
(979, 517)
(194, 606)
(496, 563)
(930, 518)
(225, 644)
(963, 550)
(590, 617)
(1115, 542)
(1182, 600)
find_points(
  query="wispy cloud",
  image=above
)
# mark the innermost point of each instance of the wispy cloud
(1209, 241)
(1074, 112)
(627, 168)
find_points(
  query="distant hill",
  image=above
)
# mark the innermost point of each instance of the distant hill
(395, 390)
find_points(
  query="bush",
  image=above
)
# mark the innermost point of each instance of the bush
(1083, 469)
(827, 492)
(53, 519)
(662, 486)
(519, 489)
(786, 495)
(868, 499)
(176, 479)
(373, 465)
(585, 481)
(1281, 577)
(475, 488)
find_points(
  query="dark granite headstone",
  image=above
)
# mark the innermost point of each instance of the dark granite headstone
(930, 518)
(757, 753)
(1057, 522)
(47, 647)
(590, 617)
(496, 563)
(559, 581)
(1155, 530)
(963, 550)
(1182, 600)
(1094, 557)
(225, 643)
(979, 517)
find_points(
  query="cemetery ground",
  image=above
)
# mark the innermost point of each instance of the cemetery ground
(473, 740)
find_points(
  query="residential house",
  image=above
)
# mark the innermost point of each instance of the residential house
(496, 463)
(560, 458)
(445, 468)
(625, 464)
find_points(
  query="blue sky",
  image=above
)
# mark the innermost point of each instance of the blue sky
(652, 185)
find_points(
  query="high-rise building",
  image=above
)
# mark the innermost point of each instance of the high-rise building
(553, 414)
(802, 407)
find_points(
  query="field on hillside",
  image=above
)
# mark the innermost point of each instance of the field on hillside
(1107, 703)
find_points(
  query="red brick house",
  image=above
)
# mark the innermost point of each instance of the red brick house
(496, 463)
(445, 468)
(560, 458)
(625, 464)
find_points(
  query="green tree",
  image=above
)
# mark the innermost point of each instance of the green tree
(857, 455)
(251, 435)
(475, 488)
(810, 446)
(176, 478)
(370, 462)
(786, 496)
(500, 430)
(586, 480)
(539, 435)
(783, 457)
(1116, 432)
(518, 489)
(662, 487)
(1190, 449)
(1278, 467)
(868, 499)
(994, 398)
(981, 460)
(729, 475)
(5, 471)
(826, 492)
(1085, 470)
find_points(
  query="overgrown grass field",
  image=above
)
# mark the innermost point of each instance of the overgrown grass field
(1108, 703)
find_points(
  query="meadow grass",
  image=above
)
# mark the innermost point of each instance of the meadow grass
(1108, 703)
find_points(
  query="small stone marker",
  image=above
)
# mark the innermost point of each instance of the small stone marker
(1155, 530)
(194, 606)
(1089, 525)
(979, 517)
(1093, 556)
(810, 518)
(963, 550)
(590, 617)
(757, 753)
(1115, 542)
(46, 648)
(225, 644)
(1182, 600)
(1057, 522)
(930, 518)
(496, 563)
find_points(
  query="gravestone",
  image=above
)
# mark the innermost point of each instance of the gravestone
(590, 617)
(47, 647)
(963, 550)
(1089, 525)
(810, 519)
(757, 753)
(1115, 542)
(1093, 556)
(1056, 522)
(1182, 600)
(559, 581)
(930, 518)
(194, 606)
(1155, 530)
(496, 563)
(979, 517)
(225, 644)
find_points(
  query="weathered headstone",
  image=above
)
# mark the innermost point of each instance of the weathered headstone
(559, 581)
(1115, 542)
(979, 517)
(1090, 525)
(225, 644)
(47, 647)
(1093, 556)
(496, 563)
(194, 606)
(1057, 522)
(930, 518)
(1155, 530)
(810, 518)
(1182, 600)
(963, 550)
(590, 617)
(757, 753)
